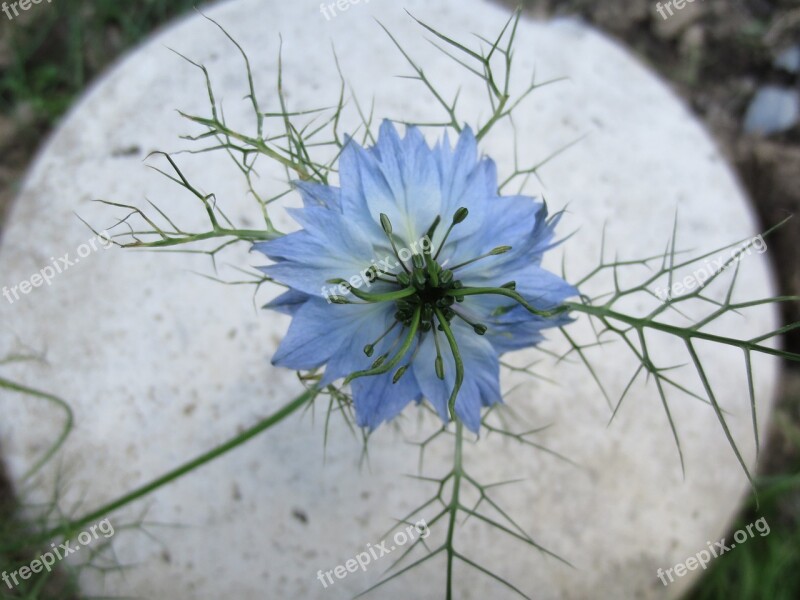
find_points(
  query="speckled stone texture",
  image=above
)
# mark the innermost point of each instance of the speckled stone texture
(160, 364)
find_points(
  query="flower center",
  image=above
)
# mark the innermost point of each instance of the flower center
(432, 284)
(425, 296)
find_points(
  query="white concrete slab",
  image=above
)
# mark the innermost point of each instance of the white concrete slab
(160, 364)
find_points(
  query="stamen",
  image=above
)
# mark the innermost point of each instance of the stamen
(386, 224)
(497, 251)
(461, 214)
(432, 228)
(457, 285)
(502, 310)
(479, 328)
(379, 278)
(419, 279)
(463, 292)
(402, 370)
(425, 296)
(379, 361)
(439, 363)
(369, 349)
(388, 366)
(433, 269)
(375, 274)
(427, 317)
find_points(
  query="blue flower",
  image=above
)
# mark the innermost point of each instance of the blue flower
(413, 277)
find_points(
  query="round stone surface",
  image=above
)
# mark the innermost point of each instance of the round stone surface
(160, 364)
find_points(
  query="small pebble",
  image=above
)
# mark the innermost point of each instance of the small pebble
(773, 109)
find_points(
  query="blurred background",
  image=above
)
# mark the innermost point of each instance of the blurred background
(736, 63)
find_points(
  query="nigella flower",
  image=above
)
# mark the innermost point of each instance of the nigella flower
(413, 277)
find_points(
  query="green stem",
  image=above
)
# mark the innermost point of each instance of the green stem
(201, 460)
(257, 143)
(250, 235)
(498, 114)
(603, 312)
(458, 473)
(15, 387)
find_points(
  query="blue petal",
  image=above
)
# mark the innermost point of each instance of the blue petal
(509, 221)
(366, 328)
(465, 182)
(331, 248)
(398, 179)
(289, 302)
(520, 329)
(543, 289)
(378, 400)
(319, 330)
(317, 194)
